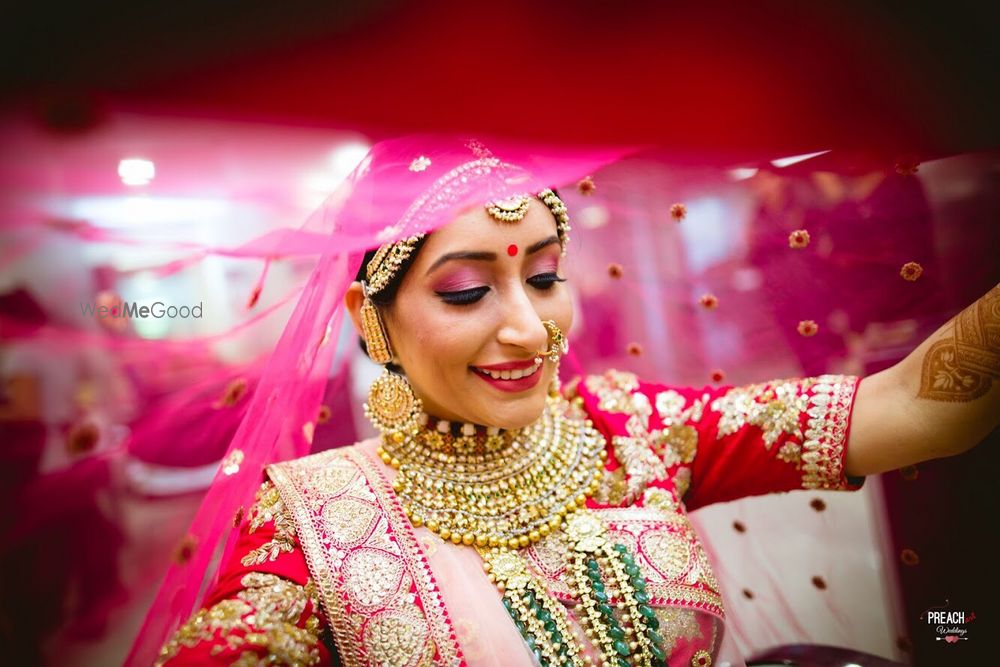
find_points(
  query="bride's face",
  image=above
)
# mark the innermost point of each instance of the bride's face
(473, 301)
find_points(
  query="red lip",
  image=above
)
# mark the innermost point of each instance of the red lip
(509, 366)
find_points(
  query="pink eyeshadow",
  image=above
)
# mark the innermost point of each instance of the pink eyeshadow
(458, 281)
(545, 265)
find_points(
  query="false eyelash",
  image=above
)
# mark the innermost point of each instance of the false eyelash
(464, 297)
(545, 280)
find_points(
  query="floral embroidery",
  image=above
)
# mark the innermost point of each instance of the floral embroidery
(774, 408)
(399, 638)
(231, 464)
(640, 462)
(676, 444)
(548, 556)
(667, 550)
(661, 499)
(263, 615)
(669, 405)
(376, 585)
(613, 487)
(777, 409)
(617, 392)
(790, 452)
(645, 453)
(420, 163)
(826, 432)
(669, 553)
(270, 508)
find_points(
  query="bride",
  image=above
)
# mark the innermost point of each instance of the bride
(505, 518)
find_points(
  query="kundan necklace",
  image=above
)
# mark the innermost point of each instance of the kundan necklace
(501, 491)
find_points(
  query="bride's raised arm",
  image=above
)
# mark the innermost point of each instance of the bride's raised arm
(941, 400)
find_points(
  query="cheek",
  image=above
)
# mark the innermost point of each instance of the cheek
(438, 339)
(458, 339)
(562, 310)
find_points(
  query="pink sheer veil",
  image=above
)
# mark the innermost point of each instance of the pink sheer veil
(401, 188)
(687, 270)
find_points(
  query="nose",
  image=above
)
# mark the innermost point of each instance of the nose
(521, 325)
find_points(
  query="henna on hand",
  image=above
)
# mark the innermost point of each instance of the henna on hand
(964, 363)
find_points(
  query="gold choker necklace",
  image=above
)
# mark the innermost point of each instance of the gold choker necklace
(508, 488)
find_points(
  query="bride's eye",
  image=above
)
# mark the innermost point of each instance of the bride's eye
(545, 280)
(464, 297)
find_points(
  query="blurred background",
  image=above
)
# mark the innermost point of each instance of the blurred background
(140, 144)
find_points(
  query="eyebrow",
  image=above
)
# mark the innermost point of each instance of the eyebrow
(483, 256)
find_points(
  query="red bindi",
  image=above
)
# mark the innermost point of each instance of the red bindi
(512, 250)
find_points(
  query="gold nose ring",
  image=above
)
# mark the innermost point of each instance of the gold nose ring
(558, 345)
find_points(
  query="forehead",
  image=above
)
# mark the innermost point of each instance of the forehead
(474, 229)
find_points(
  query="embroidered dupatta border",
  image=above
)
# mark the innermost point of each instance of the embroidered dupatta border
(292, 480)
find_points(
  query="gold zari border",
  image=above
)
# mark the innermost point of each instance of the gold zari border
(340, 480)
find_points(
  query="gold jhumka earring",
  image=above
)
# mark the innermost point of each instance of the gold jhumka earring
(392, 406)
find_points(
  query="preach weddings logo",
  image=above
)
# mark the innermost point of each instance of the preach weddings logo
(949, 626)
(131, 309)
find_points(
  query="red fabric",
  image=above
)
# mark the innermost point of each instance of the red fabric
(725, 468)
(740, 462)
(288, 565)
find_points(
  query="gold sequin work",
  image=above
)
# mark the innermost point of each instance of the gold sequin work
(645, 453)
(270, 508)
(263, 614)
(776, 409)
(374, 580)
(677, 623)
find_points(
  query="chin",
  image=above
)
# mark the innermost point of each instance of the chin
(526, 413)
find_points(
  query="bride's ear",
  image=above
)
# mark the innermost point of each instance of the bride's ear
(353, 299)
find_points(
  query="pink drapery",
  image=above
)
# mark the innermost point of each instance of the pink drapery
(680, 295)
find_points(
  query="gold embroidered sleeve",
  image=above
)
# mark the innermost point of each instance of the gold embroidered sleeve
(650, 430)
(271, 620)
(720, 443)
(772, 437)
